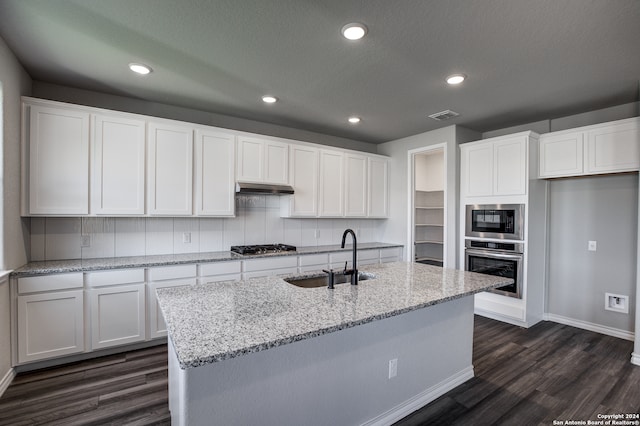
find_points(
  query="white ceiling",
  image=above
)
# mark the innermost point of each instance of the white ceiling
(526, 60)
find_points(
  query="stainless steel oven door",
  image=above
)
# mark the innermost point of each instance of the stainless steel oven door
(491, 262)
(500, 221)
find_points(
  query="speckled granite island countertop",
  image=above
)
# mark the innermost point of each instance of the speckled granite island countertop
(213, 322)
(99, 264)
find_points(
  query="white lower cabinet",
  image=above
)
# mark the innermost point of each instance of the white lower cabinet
(117, 306)
(219, 271)
(313, 262)
(163, 277)
(269, 266)
(393, 254)
(365, 257)
(50, 320)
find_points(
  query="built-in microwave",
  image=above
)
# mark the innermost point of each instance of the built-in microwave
(501, 221)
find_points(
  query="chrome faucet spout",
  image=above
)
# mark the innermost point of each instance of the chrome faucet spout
(354, 270)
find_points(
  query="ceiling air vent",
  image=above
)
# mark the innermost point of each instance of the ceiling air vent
(444, 115)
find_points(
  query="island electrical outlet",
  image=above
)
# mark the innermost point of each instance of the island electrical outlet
(393, 368)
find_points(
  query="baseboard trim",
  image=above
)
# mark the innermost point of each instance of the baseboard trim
(6, 380)
(407, 407)
(602, 329)
(635, 358)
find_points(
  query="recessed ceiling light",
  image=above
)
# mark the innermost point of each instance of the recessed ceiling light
(141, 69)
(354, 120)
(269, 99)
(354, 31)
(456, 79)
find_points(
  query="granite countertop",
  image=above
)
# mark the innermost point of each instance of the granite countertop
(99, 264)
(212, 322)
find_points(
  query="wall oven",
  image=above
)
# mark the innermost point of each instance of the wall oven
(500, 221)
(503, 259)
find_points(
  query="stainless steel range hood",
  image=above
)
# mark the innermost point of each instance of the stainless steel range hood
(263, 189)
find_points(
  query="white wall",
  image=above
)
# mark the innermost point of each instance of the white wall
(257, 221)
(429, 171)
(14, 83)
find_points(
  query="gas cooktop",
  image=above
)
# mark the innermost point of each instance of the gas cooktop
(262, 249)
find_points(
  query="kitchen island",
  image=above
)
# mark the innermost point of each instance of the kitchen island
(263, 351)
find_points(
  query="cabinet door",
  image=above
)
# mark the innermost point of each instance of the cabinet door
(304, 179)
(614, 148)
(378, 187)
(355, 185)
(170, 169)
(117, 315)
(331, 183)
(58, 161)
(118, 147)
(50, 325)
(477, 164)
(250, 159)
(561, 155)
(510, 167)
(215, 173)
(157, 326)
(276, 167)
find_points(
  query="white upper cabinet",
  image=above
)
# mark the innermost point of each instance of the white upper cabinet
(214, 173)
(355, 185)
(378, 199)
(331, 183)
(496, 166)
(118, 150)
(263, 161)
(304, 173)
(477, 163)
(510, 166)
(170, 188)
(58, 161)
(612, 147)
(561, 154)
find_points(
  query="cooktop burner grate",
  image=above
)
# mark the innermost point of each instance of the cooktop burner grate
(262, 248)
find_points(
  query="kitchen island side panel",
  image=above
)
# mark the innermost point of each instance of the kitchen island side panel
(337, 378)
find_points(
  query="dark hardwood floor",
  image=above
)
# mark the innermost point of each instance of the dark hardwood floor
(129, 388)
(523, 377)
(537, 375)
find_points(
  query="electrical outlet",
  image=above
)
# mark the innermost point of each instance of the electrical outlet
(592, 245)
(186, 237)
(393, 368)
(85, 241)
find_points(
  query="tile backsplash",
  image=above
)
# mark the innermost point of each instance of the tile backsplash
(257, 221)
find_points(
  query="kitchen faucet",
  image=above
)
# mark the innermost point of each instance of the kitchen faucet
(354, 269)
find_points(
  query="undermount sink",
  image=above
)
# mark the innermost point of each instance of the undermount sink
(323, 280)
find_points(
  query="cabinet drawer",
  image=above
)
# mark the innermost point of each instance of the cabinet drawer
(172, 272)
(314, 259)
(269, 263)
(220, 268)
(394, 252)
(270, 272)
(219, 278)
(50, 283)
(122, 276)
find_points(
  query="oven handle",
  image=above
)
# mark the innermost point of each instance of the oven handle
(495, 255)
